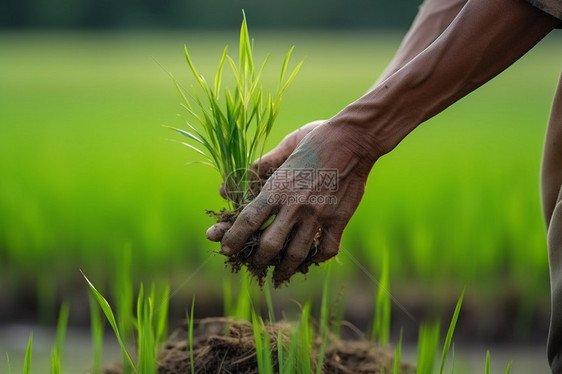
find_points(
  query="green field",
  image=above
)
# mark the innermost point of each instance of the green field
(87, 169)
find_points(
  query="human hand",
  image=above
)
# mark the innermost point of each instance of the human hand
(316, 190)
(262, 169)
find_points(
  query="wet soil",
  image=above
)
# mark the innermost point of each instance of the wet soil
(226, 345)
(244, 258)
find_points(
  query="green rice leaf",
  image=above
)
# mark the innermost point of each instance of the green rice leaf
(106, 308)
(397, 355)
(231, 132)
(218, 75)
(192, 67)
(427, 348)
(162, 314)
(56, 353)
(190, 336)
(194, 148)
(291, 78)
(55, 362)
(188, 134)
(285, 64)
(8, 363)
(97, 335)
(450, 331)
(28, 353)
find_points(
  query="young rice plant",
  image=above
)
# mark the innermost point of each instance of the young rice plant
(229, 128)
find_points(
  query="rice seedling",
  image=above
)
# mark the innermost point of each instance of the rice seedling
(108, 312)
(190, 336)
(233, 127)
(146, 362)
(263, 345)
(150, 323)
(381, 323)
(56, 353)
(324, 328)
(8, 363)
(28, 354)
(122, 290)
(397, 356)
(241, 305)
(428, 341)
(97, 332)
(450, 331)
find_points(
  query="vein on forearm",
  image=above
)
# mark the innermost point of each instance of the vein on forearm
(484, 39)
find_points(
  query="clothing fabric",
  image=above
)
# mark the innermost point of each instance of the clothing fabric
(552, 7)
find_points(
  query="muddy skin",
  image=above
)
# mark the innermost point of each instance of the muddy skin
(244, 258)
(227, 345)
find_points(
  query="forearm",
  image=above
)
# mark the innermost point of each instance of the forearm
(485, 38)
(433, 17)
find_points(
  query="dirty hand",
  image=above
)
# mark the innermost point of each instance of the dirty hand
(316, 190)
(263, 168)
(265, 165)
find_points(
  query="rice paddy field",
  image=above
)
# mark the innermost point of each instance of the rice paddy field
(88, 174)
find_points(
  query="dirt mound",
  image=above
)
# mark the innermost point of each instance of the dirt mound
(226, 345)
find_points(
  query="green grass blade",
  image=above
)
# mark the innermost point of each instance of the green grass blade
(285, 64)
(162, 315)
(218, 75)
(427, 348)
(304, 353)
(280, 350)
(194, 148)
(508, 368)
(55, 362)
(487, 367)
(269, 302)
(188, 134)
(106, 308)
(450, 332)
(324, 329)
(246, 59)
(96, 328)
(244, 303)
(147, 347)
(228, 305)
(28, 354)
(192, 67)
(290, 79)
(61, 326)
(56, 354)
(190, 336)
(261, 350)
(381, 324)
(8, 363)
(397, 355)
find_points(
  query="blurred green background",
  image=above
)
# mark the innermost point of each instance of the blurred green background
(87, 170)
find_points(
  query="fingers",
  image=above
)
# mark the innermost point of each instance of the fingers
(296, 252)
(329, 245)
(248, 222)
(273, 239)
(216, 232)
